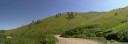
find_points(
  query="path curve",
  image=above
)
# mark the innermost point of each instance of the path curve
(75, 41)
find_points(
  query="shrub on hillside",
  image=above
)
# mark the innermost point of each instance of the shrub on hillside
(124, 21)
(81, 32)
(121, 36)
(116, 14)
(38, 22)
(59, 14)
(112, 36)
(71, 15)
(48, 39)
(73, 32)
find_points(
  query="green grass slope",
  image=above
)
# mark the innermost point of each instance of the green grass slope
(119, 33)
(53, 24)
(101, 26)
(33, 32)
(111, 19)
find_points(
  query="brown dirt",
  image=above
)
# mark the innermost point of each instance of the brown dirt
(75, 41)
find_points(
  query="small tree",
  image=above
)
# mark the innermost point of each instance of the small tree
(38, 22)
(33, 21)
(116, 14)
(71, 15)
(29, 26)
(57, 15)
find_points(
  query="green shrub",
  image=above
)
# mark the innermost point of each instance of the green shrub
(47, 39)
(124, 21)
(112, 36)
(121, 36)
(81, 32)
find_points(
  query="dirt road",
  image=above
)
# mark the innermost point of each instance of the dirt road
(75, 41)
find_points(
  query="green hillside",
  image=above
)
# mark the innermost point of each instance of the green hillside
(102, 26)
(90, 25)
(54, 25)
(37, 31)
(119, 33)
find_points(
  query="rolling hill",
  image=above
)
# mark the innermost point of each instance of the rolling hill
(99, 25)
(102, 26)
(32, 33)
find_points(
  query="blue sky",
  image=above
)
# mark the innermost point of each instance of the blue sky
(14, 13)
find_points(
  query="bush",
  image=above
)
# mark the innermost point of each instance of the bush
(47, 39)
(71, 15)
(116, 14)
(38, 22)
(112, 36)
(81, 32)
(72, 32)
(121, 36)
(124, 21)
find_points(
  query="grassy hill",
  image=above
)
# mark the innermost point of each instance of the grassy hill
(102, 26)
(39, 31)
(95, 25)
(119, 33)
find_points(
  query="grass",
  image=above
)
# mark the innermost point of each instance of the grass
(90, 25)
(32, 33)
(111, 26)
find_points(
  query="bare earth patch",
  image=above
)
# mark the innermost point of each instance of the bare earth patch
(75, 41)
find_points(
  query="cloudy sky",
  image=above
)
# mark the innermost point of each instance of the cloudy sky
(14, 13)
